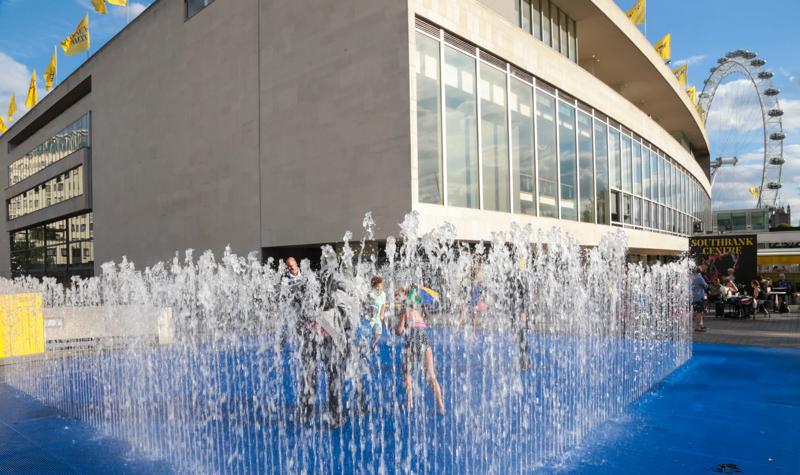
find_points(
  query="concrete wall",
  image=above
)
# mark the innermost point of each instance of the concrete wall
(334, 118)
(175, 134)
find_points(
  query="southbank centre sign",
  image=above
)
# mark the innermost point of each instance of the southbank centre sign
(723, 252)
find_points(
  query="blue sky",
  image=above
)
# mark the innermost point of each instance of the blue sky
(702, 31)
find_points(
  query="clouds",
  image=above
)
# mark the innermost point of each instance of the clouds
(731, 184)
(14, 78)
(690, 60)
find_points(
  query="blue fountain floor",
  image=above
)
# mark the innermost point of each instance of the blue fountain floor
(728, 405)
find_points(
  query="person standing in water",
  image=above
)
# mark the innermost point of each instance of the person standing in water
(377, 310)
(412, 326)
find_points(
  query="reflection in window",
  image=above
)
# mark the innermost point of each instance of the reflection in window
(601, 168)
(61, 188)
(637, 168)
(429, 144)
(567, 160)
(462, 129)
(54, 249)
(585, 167)
(494, 139)
(646, 172)
(546, 22)
(521, 103)
(546, 154)
(615, 206)
(70, 139)
(627, 174)
(615, 158)
(626, 208)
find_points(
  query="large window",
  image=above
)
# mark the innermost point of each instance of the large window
(61, 188)
(59, 249)
(616, 159)
(522, 147)
(585, 168)
(546, 154)
(601, 168)
(567, 160)
(646, 172)
(627, 174)
(429, 134)
(67, 141)
(461, 126)
(637, 168)
(494, 139)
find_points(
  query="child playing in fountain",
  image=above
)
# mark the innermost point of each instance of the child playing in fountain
(412, 325)
(377, 299)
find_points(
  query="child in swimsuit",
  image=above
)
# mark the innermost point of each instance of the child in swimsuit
(412, 325)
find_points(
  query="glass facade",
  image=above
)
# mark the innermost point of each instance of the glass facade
(73, 137)
(57, 249)
(546, 22)
(504, 141)
(61, 188)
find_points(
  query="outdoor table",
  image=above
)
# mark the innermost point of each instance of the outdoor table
(776, 293)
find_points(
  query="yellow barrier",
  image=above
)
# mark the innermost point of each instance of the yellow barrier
(21, 325)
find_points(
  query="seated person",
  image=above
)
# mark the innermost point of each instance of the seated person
(760, 296)
(731, 286)
(783, 285)
(715, 290)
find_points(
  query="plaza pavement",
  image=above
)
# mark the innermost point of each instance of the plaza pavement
(778, 330)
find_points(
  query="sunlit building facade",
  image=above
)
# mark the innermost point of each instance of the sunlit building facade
(279, 134)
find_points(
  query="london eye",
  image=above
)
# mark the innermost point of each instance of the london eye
(740, 103)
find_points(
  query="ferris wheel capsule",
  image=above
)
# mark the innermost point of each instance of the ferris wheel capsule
(749, 54)
(765, 75)
(758, 62)
(771, 91)
(775, 112)
(774, 185)
(777, 136)
(777, 161)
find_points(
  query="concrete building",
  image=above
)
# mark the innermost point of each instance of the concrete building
(273, 126)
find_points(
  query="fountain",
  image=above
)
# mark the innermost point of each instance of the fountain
(564, 338)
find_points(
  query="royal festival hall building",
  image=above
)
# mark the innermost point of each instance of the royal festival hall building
(273, 126)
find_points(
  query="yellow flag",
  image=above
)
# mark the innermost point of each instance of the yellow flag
(663, 46)
(32, 98)
(754, 191)
(50, 72)
(79, 40)
(100, 6)
(119, 3)
(692, 91)
(637, 13)
(680, 73)
(2, 126)
(12, 107)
